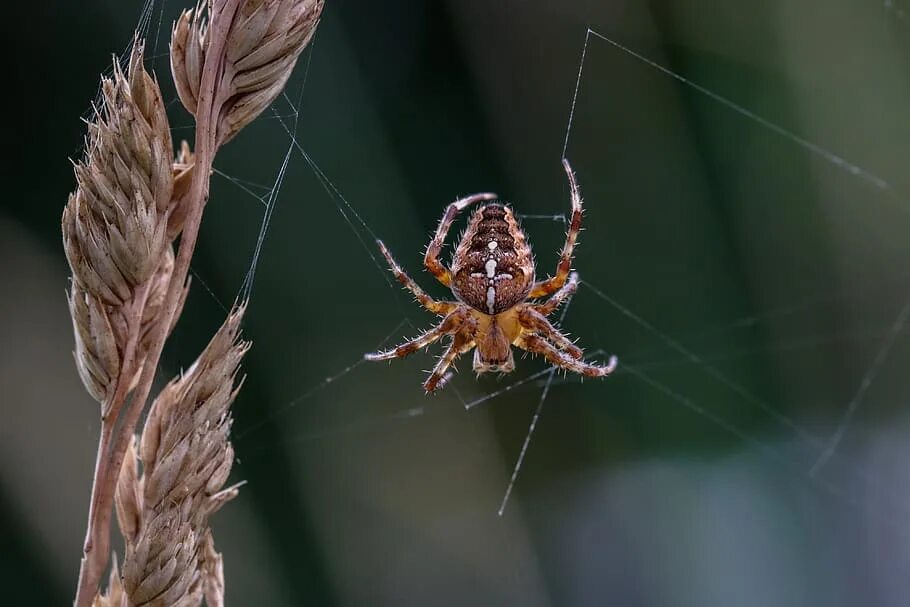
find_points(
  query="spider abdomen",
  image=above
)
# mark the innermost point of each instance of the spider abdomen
(493, 269)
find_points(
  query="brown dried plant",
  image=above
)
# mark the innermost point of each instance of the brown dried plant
(134, 202)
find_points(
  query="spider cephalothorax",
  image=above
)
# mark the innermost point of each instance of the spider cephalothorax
(492, 277)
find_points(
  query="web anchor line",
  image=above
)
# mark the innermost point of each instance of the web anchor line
(246, 289)
(865, 383)
(306, 394)
(533, 426)
(836, 160)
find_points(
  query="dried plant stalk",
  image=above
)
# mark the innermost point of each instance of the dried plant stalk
(114, 597)
(230, 59)
(115, 228)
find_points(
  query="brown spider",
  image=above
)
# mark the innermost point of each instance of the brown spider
(492, 277)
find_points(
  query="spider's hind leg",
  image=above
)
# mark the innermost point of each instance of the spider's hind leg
(452, 323)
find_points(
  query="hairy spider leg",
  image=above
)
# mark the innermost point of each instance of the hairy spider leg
(550, 285)
(451, 324)
(535, 322)
(567, 290)
(431, 258)
(538, 345)
(437, 307)
(462, 342)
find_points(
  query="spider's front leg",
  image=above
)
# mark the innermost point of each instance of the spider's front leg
(437, 307)
(450, 324)
(431, 259)
(550, 285)
(535, 322)
(462, 342)
(558, 358)
(564, 293)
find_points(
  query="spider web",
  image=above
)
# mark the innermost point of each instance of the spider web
(813, 451)
(268, 195)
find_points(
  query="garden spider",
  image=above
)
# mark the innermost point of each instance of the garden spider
(492, 279)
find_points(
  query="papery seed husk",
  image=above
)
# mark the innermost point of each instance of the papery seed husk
(212, 573)
(96, 353)
(182, 171)
(250, 25)
(114, 596)
(128, 498)
(187, 56)
(104, 342)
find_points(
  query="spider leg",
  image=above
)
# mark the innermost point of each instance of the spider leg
(462, 342)
(538, 345)
(450, 324)
(534, 321)
(437, 307)
(550, 285)
(564, 293)
(431, 259)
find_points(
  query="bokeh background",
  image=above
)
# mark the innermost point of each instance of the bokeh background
(751, 284)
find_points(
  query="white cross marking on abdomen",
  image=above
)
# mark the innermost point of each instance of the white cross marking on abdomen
(491, 268)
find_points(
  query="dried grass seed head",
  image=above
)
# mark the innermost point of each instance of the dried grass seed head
(114, 224)
(118, 224)
(186, 458)
(265, 40)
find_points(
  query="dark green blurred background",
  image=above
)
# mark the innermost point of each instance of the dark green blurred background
(772, 274)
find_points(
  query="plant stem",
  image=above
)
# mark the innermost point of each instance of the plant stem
(207, 111)
(96, 546)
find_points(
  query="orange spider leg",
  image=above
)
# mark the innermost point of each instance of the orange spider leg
(462, 342)
(437, 307)
(451, 324)
(558, 358)
(533, 321)
(550, 285)
(567, 290)
(431, 259)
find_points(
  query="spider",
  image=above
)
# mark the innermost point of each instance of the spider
(492, 279)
